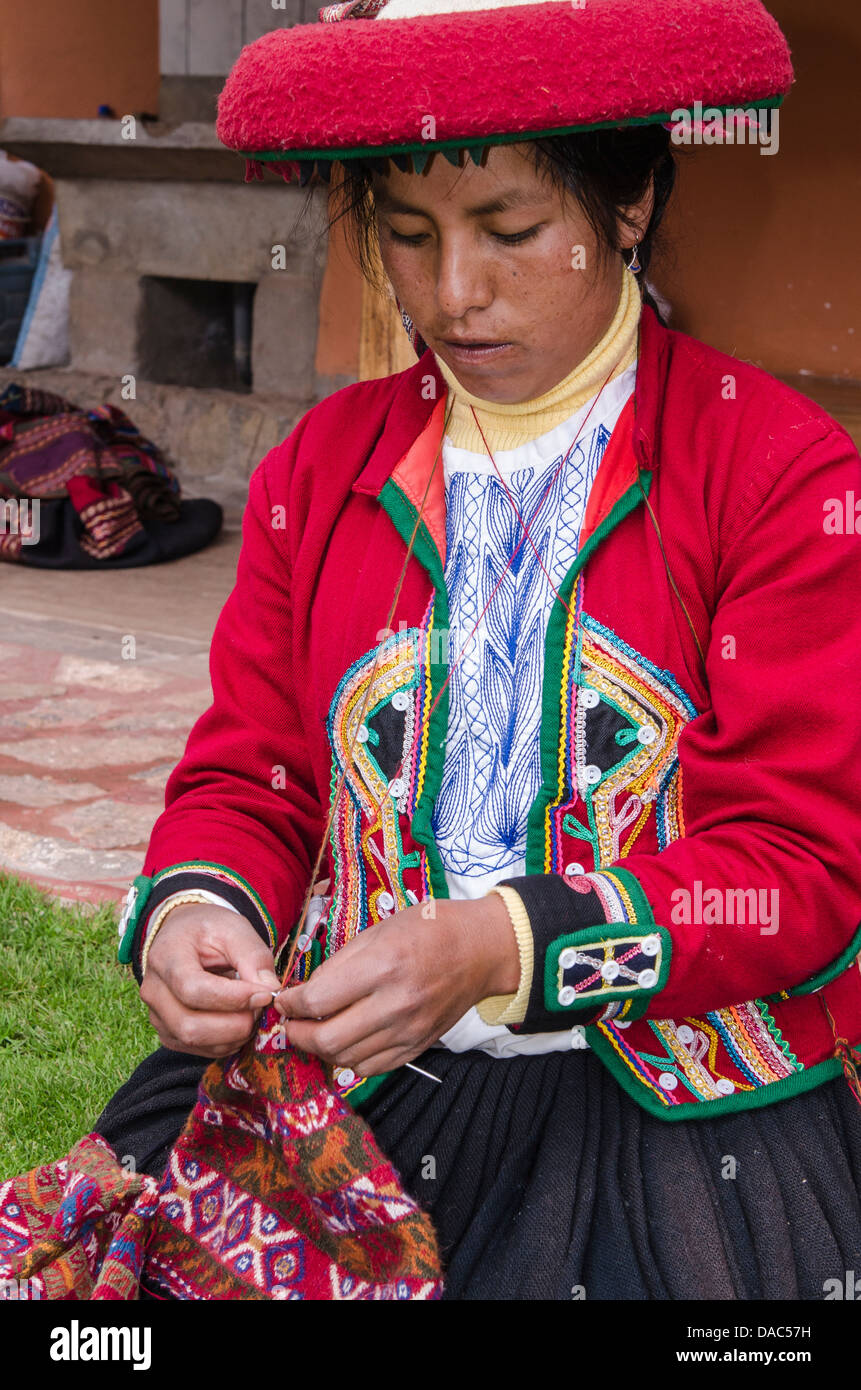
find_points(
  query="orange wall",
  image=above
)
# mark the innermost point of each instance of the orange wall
(763, 252)
(68, 57)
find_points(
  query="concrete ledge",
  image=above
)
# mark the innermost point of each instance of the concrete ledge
(99, 149)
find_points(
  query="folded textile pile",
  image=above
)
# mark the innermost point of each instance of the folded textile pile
(106, 494)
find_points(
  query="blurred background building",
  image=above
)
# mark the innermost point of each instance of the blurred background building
(231, 309)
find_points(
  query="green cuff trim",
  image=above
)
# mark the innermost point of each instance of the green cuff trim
(629, 886)
(599, 965)
(136, 899)
(142, 889)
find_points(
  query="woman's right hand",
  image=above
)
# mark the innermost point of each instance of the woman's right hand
(208, 976)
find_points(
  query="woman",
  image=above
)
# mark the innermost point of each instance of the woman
(512, 677)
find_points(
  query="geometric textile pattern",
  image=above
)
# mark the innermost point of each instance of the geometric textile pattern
(621, 720)
(382, 758)
(276, 1189)
(726, 1052)
(76, 1229)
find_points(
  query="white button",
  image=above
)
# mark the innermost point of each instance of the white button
(667, 1081)
(397, 788)
(685, 1034)
(578, 1036)
(725, 1086)
(412, 897)
(645, 734)
(362, 733)
(589, 698)
(609, 970)
(346, 1077)
(567, 958)
(131, 896)
(385, 902)
(572, 870)
(303, 943)
(400, 700)
(622, 1023)
(647, 978)
(566, 996)
(651, 945)
(591, 775)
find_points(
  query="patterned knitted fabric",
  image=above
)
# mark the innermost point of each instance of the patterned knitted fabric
(76, 1229)
(381, 84)
(275, 1189)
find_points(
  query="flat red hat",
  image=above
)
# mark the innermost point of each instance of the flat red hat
(406, 77)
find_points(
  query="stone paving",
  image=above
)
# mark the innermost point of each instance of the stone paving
(91, 722)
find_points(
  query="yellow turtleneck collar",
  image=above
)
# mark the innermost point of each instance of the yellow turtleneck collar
(508, 426)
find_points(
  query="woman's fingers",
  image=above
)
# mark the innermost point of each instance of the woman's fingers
(337, 1039)
(200, 951)
(196, 1030)
(378, 956)
(167, 1039)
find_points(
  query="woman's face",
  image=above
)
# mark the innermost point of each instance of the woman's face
(499, 271)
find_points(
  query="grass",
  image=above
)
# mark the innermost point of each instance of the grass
(72, 1027)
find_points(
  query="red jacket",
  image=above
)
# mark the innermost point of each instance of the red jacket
(694, 855)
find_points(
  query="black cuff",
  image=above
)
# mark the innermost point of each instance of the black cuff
(588, 965)
(146, 894)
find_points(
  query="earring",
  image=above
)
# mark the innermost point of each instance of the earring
(634, 263)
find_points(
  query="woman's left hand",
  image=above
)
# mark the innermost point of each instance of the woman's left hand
(403, 982)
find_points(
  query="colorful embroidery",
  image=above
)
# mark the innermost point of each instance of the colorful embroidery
(277, 1189)
(620, 721)
(385, 758)
(704, 1059)
(628, 716)
(588, 971)
(500, 594)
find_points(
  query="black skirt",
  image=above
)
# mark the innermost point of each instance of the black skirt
(546, 1181)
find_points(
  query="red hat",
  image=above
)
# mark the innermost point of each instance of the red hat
(402, 78)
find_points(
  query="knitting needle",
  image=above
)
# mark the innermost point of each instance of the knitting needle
(429, 1074)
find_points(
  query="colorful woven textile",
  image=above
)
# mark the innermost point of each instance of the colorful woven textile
(75, 1229)
(114, 478)
(276, 1189)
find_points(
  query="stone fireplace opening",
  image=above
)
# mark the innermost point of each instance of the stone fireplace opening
(196, 332)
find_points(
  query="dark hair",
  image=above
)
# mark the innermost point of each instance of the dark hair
(605, 170)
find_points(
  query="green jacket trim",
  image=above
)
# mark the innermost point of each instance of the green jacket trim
(695, 1110)
(403, 514)
(554, 655)
(142, 889)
